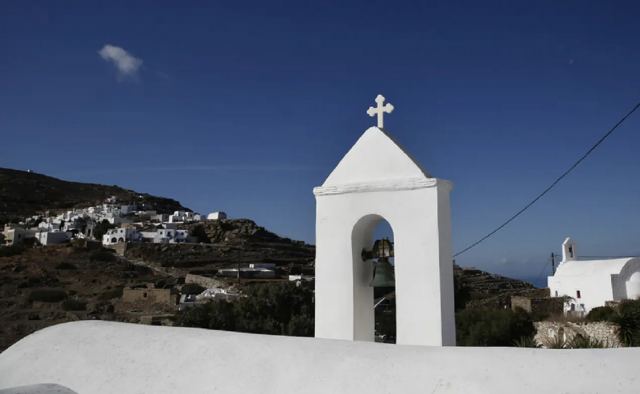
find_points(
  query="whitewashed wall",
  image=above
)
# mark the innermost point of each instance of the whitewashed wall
(107, 357)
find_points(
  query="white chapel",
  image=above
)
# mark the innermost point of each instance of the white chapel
(589, 283)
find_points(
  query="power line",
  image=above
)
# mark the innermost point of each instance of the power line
(541, 273)
(607, 257)
(553, 184)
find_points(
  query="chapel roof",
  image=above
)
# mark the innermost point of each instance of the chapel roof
(586, 267)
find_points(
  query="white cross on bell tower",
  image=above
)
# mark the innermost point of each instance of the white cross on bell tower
(380, 110)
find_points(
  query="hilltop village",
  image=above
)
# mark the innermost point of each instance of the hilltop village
(111, 222)
(130, 258)
(116, 224)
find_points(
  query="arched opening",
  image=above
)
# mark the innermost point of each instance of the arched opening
(120, 239)
(374, 279)
(633, 286)
(114, 240)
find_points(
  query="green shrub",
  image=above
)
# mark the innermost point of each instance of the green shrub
(525, 342)
(628, 321)
(217, 315)
(601, 313)
(66, 266)
(626, 316)
(103, 255)
(279, 309)
(101, 228)
(461, 293)
(492, 327)
(8, 251)
(556, 342)
(200, 234)
(74, 305)
(581, 342)
(47, 295)
(110, 294)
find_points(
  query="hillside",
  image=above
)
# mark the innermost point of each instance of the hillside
(87, 276)
(481, 289)
(225, 243)
(25, 193)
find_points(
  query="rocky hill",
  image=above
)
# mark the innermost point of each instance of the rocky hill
(25, 193)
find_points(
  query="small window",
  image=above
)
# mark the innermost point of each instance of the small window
(570, 251)
(573, 307)
(556, 293)
(578, 293)
(144, 295)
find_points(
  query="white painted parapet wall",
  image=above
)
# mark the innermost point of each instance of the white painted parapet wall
(94, 357)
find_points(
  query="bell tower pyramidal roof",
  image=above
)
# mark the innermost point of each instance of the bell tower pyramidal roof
(374, 158)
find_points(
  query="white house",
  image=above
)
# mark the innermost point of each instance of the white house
(590, 283)
(126, 209)
(15, 234)
(49, 224)
(122, 234)
(184, 216)
(51, 237)
(217, 216)
(169, 234)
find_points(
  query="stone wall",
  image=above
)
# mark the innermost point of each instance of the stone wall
(150, 296)
(604, 332)
(120, 248)
(545, 305)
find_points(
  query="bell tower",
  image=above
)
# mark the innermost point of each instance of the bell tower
(378, 180)
(569, 250)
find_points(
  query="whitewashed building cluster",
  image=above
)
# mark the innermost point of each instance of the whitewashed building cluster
(80, 223)
(184, 217)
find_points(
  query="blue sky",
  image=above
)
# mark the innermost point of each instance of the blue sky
(246, 106)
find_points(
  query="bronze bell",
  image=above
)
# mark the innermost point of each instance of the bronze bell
(383, 274)
(381, 248)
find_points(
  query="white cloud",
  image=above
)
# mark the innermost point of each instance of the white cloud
(126, 63)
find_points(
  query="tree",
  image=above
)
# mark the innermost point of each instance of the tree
(101, 228)
(601, 313)
(266, 308)
(200, 234)
(461, 294)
